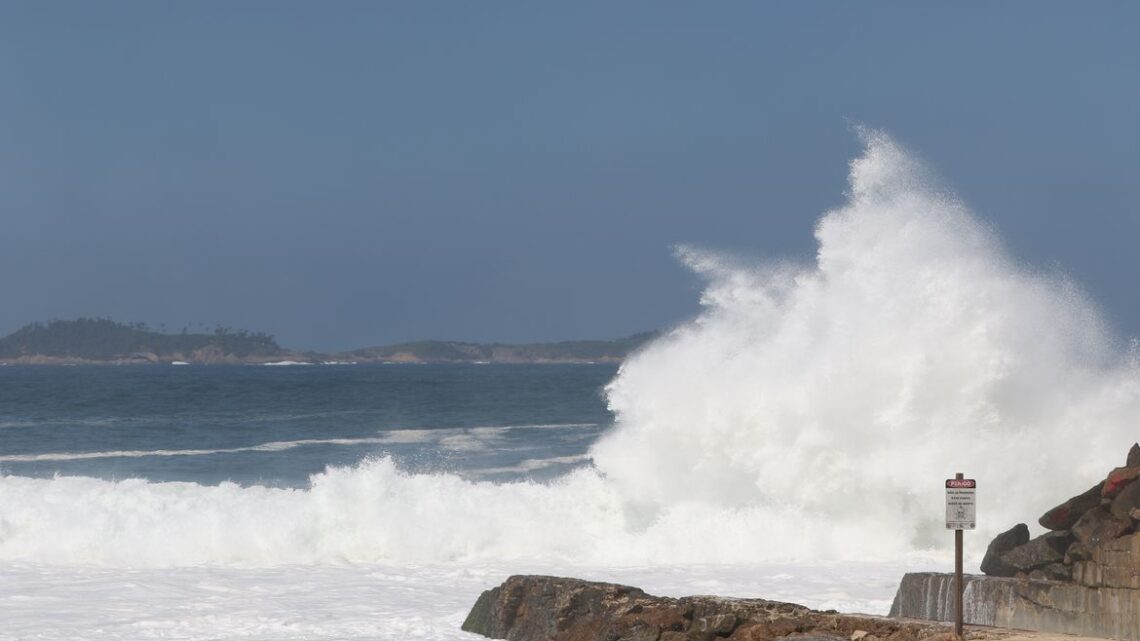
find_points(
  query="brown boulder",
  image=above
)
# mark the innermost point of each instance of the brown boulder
(992, 563)
(1041, 551)
(1118, 479)
(543, 608)
(1099, 526)
(1133, 456)
(1126, 501)
(1065, 515)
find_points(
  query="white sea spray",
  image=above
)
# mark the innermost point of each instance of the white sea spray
(809, 412)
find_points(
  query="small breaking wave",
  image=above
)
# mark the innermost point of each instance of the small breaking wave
(453, 439)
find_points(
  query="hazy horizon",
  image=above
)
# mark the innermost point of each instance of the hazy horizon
(364, 174)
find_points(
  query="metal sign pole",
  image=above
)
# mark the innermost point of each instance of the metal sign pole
(958, 574)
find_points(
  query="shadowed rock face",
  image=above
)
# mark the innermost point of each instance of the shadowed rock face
(543, 608)
(1127, 501)
(992, 563)
(1099, 526)
(1041, 551)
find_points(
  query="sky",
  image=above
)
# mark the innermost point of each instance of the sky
(346, 174)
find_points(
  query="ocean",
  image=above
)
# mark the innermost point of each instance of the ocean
(789, 442)
(276, 426)
(312, 502)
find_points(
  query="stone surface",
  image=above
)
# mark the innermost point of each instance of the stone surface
(1056, 571)
(1077, 552)
(1118, 479)
(992, 564)
(1065, 515)
(1126, 501)
(1133, 456)
(542, 608)
(1046, 606)
(1041, 551)
(1098, 526)
(1115, 564)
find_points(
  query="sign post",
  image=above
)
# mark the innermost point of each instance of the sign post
(961, 514)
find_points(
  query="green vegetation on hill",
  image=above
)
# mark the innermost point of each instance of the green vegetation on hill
(459, 352)
(99, 339)
(102, 340)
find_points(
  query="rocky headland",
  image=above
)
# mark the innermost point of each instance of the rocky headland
(101, 341)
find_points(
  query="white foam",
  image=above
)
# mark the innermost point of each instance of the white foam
(814, 408)
(364, 601)
(533, 464)
(273, 446)
(840, 394)
(456, 439)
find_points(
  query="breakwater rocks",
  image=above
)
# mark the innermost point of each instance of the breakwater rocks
(1091, 539)
(1081, 577)
(543, 608)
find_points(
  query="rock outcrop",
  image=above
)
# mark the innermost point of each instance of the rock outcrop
(1081, 577)
(1065, 515)
(992, 563)
(543, 608)
(1081, 528)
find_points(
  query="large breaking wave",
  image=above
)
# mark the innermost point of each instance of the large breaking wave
(809, 411)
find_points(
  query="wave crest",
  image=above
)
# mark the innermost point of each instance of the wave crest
(809, 411)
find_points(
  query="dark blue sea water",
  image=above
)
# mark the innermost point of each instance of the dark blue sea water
(278, 425)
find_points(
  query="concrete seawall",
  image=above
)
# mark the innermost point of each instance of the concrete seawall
(1045, 606)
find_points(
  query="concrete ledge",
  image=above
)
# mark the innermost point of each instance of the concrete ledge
(1045, 606)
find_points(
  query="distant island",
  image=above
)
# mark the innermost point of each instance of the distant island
(102, 341)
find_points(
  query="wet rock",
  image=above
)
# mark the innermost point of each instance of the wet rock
(1065, 515)
(992, 563)
(1118, 479)
(543, 608)
(1099, 526)
(1126, 501)
(1041, 551)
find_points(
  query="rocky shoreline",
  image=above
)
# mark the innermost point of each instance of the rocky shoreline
(545, 608)
(1091, 537)
(1081, 577)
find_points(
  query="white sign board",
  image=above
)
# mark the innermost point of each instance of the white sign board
(960, 504)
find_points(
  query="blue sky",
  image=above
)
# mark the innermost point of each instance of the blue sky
(347, 174)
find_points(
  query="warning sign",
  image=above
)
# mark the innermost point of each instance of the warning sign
(960, 504)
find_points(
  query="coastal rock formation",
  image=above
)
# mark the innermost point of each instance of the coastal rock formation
(1081, 577)
(992, 563)
(1065, 515)
(543, 608)
(1084, 533)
